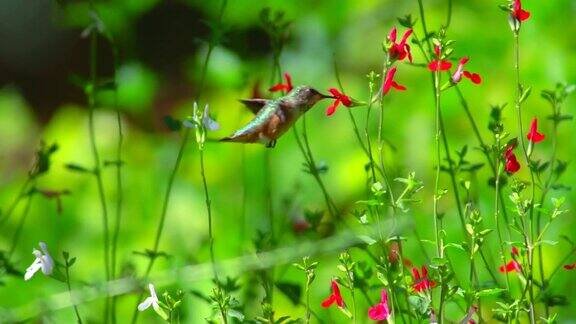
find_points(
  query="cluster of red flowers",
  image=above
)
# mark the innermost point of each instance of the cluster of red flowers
(381, 311)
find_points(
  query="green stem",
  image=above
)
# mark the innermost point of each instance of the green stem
(96, 157)
(76, 312)
(530, 231)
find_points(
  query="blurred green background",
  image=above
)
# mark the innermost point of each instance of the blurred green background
(160, 46)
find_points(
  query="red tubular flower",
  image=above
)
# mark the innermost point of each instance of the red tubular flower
(340, 99)
(390, 83)
(334, 297)
(570, 266)
(380, 311)
(283, 86)
(399, 51)
(438, 64)
(457, 76)
(511, 267)
(422, 283)
(512, 165)
(533, 135)
(519, 13)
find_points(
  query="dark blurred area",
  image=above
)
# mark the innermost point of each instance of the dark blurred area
(39, 54)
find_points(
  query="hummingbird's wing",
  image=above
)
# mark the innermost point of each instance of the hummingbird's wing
(255, 104)
(264, 128)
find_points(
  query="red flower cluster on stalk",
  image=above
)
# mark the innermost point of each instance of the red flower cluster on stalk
(340, 99)
(399, 51)
(283, 86)
(438, 64)
(422, 283)
(518, 13)
(380, 311)
(335, 297)
(457, 76)
(512, 165)
(570, 266)
(533, 135)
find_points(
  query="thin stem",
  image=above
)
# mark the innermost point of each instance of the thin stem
(530, 231)
(91, 93)
(20, 226)
(12, 207)
(119, 166)
(437, 220)
(76, 312)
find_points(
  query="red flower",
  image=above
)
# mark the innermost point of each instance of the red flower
(513, 265)
(439, 65)
(510, 267)
(422, 283)
(340, 98)
(380, 311)
(533, 135)
(334, 297)
(399, 51)
(518, 12)
(570, 266)
(390, 83)
(283, 86)
(457, 76)
(512, 165)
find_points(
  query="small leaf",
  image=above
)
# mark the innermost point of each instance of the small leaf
(77, 168)
(291, 290)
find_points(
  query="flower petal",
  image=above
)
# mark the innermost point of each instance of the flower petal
(145, 304)
(32, 269)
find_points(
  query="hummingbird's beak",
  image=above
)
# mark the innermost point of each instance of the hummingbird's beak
(327, 96)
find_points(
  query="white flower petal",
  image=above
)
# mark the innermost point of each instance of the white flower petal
(47, 264)
(32, 269)
(145, 304)
(152, 291)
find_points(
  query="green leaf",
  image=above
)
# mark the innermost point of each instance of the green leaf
(291, 290)
(525, 94)
(77, 168)
(489, 292)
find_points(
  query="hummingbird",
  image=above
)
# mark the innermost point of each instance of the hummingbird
(275, 116)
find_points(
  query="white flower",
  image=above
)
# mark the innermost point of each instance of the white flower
(150, 301)
(207, 122)
(42, 262)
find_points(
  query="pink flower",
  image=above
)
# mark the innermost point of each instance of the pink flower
(340, 99)
(519, 13)
(438, 64)
(283, 86)
(422, 283)
(390, 83)
(457, 76)
(399, 51)
(380, 311)
(335, 297)
(533, 135)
